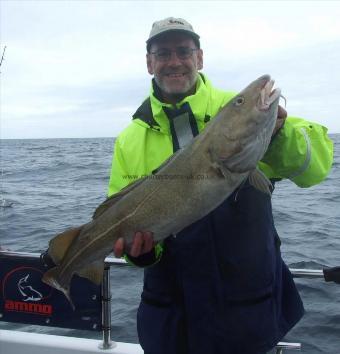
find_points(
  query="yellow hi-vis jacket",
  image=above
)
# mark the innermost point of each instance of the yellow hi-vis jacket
(301, 151)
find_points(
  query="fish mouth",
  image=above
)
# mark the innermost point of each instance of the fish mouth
(268, 96)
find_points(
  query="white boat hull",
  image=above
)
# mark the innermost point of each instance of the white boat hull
(14, 342)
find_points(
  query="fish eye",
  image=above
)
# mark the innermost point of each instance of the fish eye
(239, 101)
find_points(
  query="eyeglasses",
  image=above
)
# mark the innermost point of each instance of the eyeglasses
(182, 53)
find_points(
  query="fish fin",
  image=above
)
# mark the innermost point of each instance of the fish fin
(260, 181)
(234, 161)
(93, 272)
(50, 278)
(238, 160)
(220, 170)
(61, 243)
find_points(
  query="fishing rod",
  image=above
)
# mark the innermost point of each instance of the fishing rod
(3, 56)
(3, 202)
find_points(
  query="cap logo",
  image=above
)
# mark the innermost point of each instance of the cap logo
(176, 21)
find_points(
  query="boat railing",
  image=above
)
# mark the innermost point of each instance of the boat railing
(328, 274)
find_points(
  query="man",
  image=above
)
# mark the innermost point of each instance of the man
(220, 285)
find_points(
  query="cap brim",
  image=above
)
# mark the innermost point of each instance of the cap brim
(158, 35)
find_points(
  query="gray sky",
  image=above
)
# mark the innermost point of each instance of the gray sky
(77, 68)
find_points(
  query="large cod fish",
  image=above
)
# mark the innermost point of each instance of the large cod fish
(192, 183)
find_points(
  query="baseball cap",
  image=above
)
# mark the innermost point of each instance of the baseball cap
(171, 24)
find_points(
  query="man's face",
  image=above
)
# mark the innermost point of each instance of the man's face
(176, 77)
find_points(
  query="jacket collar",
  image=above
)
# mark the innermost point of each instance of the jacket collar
(198, 103)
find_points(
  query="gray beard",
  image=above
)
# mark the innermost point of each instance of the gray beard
(177, 97)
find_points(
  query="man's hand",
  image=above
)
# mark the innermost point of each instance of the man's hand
(142, 243)
(281, 117)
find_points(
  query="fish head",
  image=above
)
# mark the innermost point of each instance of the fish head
(249, 121)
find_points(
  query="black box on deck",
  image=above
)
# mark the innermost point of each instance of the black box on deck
(24, 298)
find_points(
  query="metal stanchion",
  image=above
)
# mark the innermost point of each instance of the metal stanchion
(289, 346)
(106, 311)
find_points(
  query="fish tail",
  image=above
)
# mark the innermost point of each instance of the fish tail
(51, 278)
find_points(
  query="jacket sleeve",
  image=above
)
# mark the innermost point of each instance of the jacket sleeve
(119, 175)
(301, 151)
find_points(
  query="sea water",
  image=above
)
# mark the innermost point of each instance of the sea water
(53, 184)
